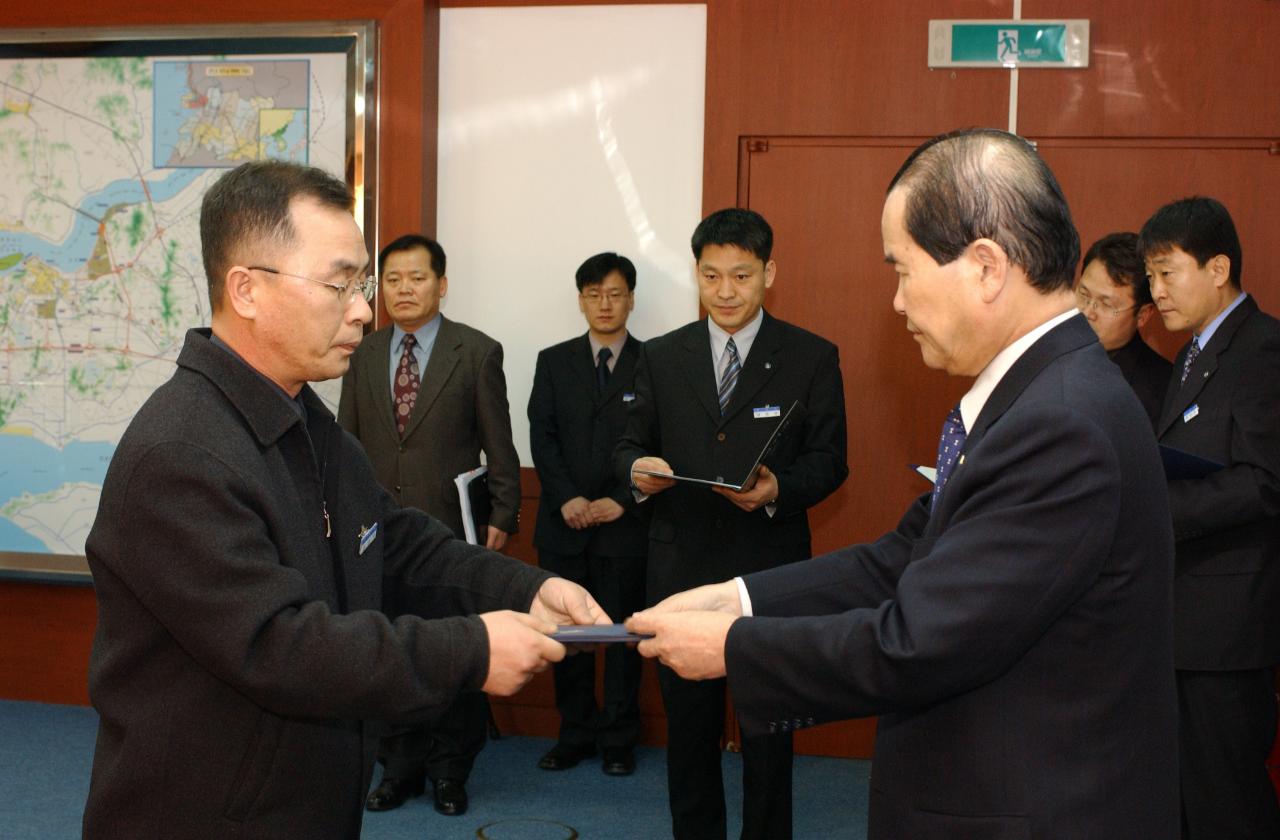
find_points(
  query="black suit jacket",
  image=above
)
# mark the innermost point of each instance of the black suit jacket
(573, 429)
(461, 410)
(1227, 589)
(696, 536)
(1016, 641)
(1146, 371)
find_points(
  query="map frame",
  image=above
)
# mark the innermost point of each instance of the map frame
(356, 40)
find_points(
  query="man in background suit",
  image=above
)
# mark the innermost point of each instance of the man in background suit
(1114, 295)
(425, 396)
(1223, 405)
(1014, 632)
(707, 397)
(589, 528)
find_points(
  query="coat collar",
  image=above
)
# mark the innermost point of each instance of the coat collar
(1181, 395)
(761, 364)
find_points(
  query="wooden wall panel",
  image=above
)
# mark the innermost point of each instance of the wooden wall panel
(45, 635)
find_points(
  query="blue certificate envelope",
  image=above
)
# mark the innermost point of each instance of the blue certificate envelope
(582, 634)
(1179, 464)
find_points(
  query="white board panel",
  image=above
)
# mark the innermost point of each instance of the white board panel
(566, 131)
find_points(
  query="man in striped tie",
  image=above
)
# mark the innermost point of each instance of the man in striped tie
(707, 397)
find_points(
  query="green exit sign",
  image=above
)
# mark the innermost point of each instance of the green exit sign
(1009, 43)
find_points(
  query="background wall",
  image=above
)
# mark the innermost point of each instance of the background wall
(809, 108)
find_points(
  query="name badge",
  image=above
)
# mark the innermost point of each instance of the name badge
(628, 397)
(367, 536)
(767, 411)
(1191, 413)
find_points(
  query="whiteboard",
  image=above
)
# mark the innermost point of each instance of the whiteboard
(565, 131)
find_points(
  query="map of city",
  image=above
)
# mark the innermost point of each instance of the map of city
(103, 163)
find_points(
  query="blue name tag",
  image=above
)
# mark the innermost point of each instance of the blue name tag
(367, 536)
(628, 397)
(767, 411)
(1191, 413)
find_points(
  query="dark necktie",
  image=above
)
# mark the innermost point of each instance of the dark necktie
(949, 446)
(602, 368)
(405, 392)
(1192, 352)
(728, 379)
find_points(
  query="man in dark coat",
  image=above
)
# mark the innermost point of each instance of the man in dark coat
(1014, 632)
(708, 396)
(1114, 295)
(1223, 405)
(590, 529)
(243, 554)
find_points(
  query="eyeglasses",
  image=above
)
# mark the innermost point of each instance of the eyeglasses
(613, 296)
(1086, 301)
(346, 291)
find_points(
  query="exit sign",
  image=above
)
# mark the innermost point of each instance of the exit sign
(1009, 43)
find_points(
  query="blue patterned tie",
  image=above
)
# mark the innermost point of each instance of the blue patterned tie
(949, 446)
(1192, 352)
(728, 379)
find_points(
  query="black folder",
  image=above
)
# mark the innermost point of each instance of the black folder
(1179, 464)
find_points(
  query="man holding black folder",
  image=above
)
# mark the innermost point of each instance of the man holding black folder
(707, 398)
(425, 396)
(1223, 405)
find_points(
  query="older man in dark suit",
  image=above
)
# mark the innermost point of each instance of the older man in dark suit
(1224, 405)
(707, 397)
(590, 529)
(259, 594)
(1014, 631)
(426, 396)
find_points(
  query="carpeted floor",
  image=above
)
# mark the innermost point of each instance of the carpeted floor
(46, 752)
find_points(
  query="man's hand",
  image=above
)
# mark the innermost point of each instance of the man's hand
(577, 513)
(605, 510)
(714, 597)
(689, 642)
(765, 492)
(650, 484)
(496, 539)
(563, 602)
(519, 647)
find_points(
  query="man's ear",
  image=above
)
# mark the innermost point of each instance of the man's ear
(240, 290)
(1144, 314)
(1220, 265)
(993, 262)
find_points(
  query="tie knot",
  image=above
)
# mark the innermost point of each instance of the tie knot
(604, 355)
(955, 421)
(731, 348)
(409, 341)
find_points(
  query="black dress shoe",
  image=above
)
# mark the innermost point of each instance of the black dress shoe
(392, 793)
(619, 761)
(451, 797)
(564, 756)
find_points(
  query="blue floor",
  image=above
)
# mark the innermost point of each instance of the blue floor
(46, 752)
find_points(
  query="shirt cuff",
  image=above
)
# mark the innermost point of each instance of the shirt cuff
(744, 596)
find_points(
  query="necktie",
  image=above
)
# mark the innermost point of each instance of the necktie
(405, 392)
(728, 379)
(949, 446)
(1192, 352)
(602, 368)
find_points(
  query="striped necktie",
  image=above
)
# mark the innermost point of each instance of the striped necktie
(728, 379)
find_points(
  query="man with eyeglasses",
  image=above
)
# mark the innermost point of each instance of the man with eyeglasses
(1115, 297)
(425, 396)
(260, 596)
(589, 528)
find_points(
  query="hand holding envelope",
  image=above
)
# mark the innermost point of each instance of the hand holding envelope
(689, 629)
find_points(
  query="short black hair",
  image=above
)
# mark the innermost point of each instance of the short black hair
(250, 205)
(985, 183)
(1122, 259)
(407, 243)
(738, 226)
(1198, 225)
(596, 268)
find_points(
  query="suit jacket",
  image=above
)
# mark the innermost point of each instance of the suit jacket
(696, 536)
(1146, 371)
(1016, 641)
(1227, 588)
(461, 409)
(238, 648)
(573, 429)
